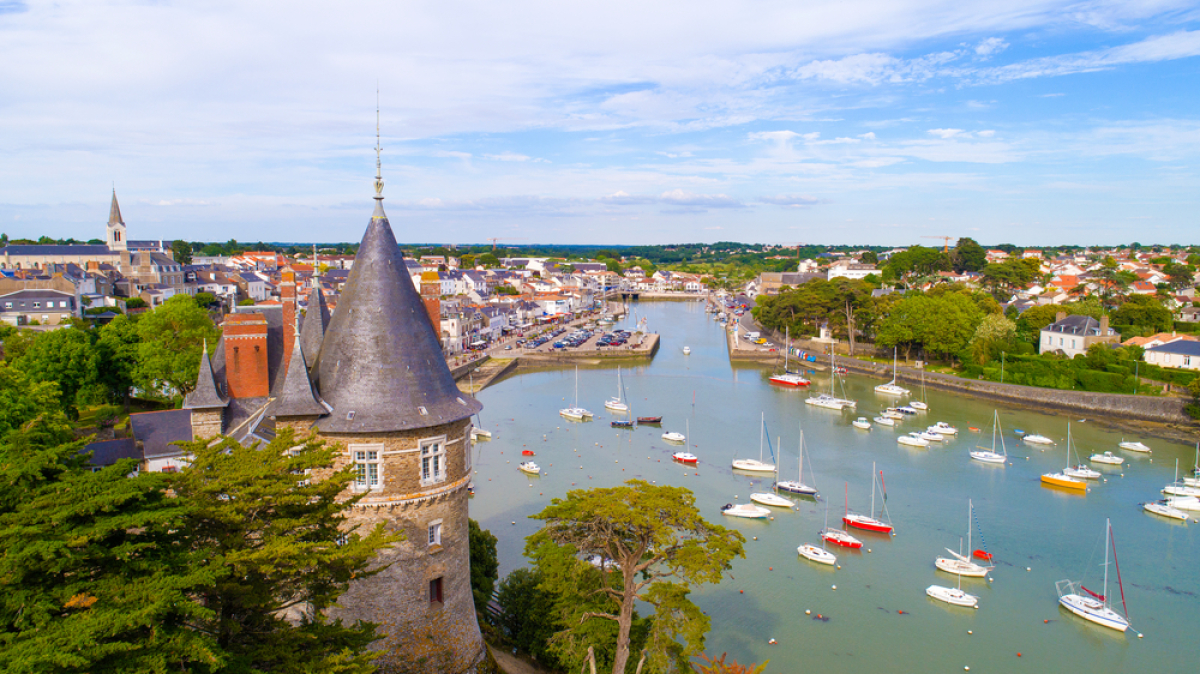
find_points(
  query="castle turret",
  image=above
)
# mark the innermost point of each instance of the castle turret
(406, 428)
(206, 402)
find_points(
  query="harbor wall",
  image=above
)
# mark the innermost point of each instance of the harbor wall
(646, 349)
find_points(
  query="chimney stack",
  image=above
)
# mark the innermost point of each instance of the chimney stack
(1059, 316)
(246, 371)
(287, 294)
(1104, 326)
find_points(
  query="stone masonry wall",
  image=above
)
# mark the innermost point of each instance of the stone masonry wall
(419, 636)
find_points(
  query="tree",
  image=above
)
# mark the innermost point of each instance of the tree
(719, 666)
(135, 303)
(172, 338)
(869, 257)
(1179, 275)
(659, 546)
(488, 260)
(279, 552)
(485, 566)
(66, 357)
(182, 251)
(204, 300)
(530, 618)
(968, 255)
(1001, 278)
(117, 358)
(994, 335)
(467, 261)
(89, 579)
(23, 399)
(1144, 311)
(915, 263)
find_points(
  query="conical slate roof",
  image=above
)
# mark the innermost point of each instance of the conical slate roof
(114, 212)
(206, 394)
(381, 367)
(296, 397)
(316, 319)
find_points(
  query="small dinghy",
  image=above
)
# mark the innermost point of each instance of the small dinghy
(527, 452)
(622, 424)
(649, 420)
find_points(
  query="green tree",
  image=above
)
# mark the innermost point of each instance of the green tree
(1002, 278)
(204, 299)
(485, 565)
(467, 261)
(276, 546)
(488, 260)
(172, 337)
(1145, 312)
(66, 357)
(994, 335)
(659, 546)
(117, 358)
(530, 618)
(135, 303)
(915, 263)
(1179, 275)
(89, 579)
(968, 255)
(23, 399)
(869, 257)
(182, 251)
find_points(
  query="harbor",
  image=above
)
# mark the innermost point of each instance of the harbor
(1039, 535)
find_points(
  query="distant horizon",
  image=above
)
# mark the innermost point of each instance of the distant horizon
(1049, 122)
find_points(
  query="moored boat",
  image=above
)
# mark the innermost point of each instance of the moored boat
(943, 428)
(649, 420)
(672, 436)
(912, 440)
(989, 455)
(1165, 510)
(1035, 439)
(952, 595)
(747, 510)
(685, 457)
(1106, 457)
(839, 537)
(530, 468)
(1134, 447)
(796, 486)
(884, 421)
(769, 499)
(756, 465)
(1090, 605)
(861, 422)
(1082, 472)
(866, 522)
(815, 554)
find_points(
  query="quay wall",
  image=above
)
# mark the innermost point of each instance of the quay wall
(1147, 408)
(646, 349)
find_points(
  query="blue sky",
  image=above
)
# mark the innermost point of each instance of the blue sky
(1032, 122)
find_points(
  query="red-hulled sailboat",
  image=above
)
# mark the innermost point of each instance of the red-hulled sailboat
(866, 522)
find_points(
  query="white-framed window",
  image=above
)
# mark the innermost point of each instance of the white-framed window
(38, 305)
(368, 466)
(435, 533)
(433, 460)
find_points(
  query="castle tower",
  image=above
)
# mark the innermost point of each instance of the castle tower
(247, 373)
(316, 319)
(287, 296)
(206, 402)
(406, 428)
(116, 226)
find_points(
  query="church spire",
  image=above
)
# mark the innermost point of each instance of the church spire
(114, 212)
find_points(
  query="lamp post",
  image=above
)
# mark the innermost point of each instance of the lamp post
(1001, 367)
(1136, 380)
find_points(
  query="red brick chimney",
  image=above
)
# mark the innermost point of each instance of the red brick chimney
(431, 293)
(246, 374)
(287, 294)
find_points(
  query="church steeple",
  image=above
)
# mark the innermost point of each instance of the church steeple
(116, 226)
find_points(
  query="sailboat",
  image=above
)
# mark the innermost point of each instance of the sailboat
(837, 536)
(797, 486)
(1079, 470)
(576, 413)
(891, 388)
(867, 522)
(1092, 606)
(683, 457)
(819, 555)
(1178, 488)
(920, 404)
(958, 563)
(1194, 480)
(618, 403)
(478, 432)
(990, 455)
(788, 378)
(828, 400)
(953, 595)
(752, 465)
(1063, 478)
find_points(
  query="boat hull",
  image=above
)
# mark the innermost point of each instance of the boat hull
(1094, 611)
(838, 537)
(960, 568)
(746, 510)
(953, 596)
(1064, 481)
(1166, 511)
(988, 457)
(793, 381)
(753, 466)
(773, 500)
(818, 555)
(867, 523)
(796, 488)
(685, 457)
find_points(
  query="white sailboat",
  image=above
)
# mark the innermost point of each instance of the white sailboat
(576, 413)
(1090, 605)
(920, 404)
(891, 388)
(747, 510)
(958, 563)
(752, 465)
(990, 455)
(1178, 488)
(1079, 470)
(828, 400)
(797, 486)
(1166, 510)
(683, 457)
(787, 377)
(819, 555)
(618, 404)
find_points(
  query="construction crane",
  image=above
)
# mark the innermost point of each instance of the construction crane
(494, 239)
(945, 241)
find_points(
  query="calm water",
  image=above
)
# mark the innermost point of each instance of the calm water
(879, 618)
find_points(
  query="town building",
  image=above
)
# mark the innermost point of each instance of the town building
(1183, 354)
(1072, 335)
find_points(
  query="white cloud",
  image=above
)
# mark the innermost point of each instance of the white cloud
(946, 133)
(992, 45)
(870, 135)
(790, 200)
(510, 156)
(1181, 44)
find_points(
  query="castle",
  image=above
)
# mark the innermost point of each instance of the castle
(371, 379)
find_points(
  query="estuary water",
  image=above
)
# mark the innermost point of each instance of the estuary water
(878, 619)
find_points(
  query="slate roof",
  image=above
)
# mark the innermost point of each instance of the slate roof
(381, 366)
(206, 395)
(55, 249)
(296, 397)
(1184, 347)
(1077, 325)
(108, 452)
(316, 320)
(157, 430)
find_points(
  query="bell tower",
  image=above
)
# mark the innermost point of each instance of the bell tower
(116, 226)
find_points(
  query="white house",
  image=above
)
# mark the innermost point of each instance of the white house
(850, 269)
(1183, 354)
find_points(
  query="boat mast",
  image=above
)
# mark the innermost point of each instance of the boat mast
(1107, 529)
(969, 545)
(872, 489)
(800, 477)
(762, 427)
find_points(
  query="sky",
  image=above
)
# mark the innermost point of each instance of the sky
(861, 122)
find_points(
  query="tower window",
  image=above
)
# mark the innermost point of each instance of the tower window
(435, 591)
(368, 468)
(435, 533)
(433, 460)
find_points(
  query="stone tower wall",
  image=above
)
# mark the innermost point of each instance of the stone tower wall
(206, 423)
(418, 635)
